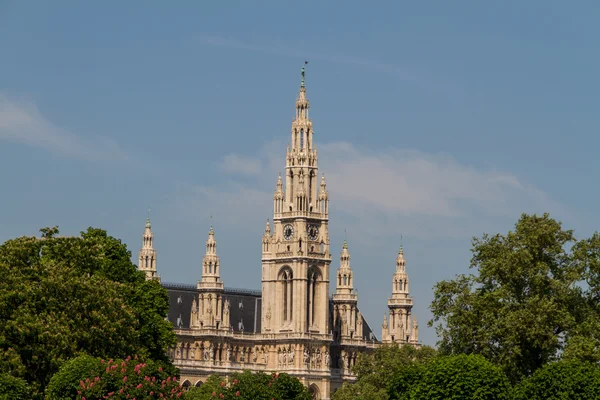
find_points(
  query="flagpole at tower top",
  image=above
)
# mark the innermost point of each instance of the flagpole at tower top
(303, 73)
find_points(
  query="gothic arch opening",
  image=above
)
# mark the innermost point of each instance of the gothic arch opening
(186, 385)
(286, 279)
(315, 392)
(199, 383)
(312, 295)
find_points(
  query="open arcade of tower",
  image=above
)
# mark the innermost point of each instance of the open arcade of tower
(293, 324)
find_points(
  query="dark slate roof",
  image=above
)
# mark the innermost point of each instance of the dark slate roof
(246, 306)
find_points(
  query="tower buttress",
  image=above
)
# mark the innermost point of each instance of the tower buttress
(147, 254)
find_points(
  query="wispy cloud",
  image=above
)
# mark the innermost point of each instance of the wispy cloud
(337, 58)
(22, 122)
(234, 163)
(381, 192)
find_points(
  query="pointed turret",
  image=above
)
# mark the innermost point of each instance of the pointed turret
(147, 255)
(210, 304)
(278, 198)
(345, 279)
(211, 265)
(345, 300)
(400, 305)
(323, 204)
(266, 241)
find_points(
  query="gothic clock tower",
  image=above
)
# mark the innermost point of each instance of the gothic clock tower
(296, 256)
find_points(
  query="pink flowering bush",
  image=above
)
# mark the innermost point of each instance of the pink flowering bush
(249, 386)
(130, 378)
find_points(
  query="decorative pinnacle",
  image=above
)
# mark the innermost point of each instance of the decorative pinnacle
(401, 251)
(345, 240)
(303, 74)
(148, 219)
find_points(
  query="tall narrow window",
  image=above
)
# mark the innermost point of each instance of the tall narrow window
(301, 139)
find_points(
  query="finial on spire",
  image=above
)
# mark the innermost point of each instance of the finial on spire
(211, 231)
(148, 219)
(303, 73)
(345, 239)
(401, 251)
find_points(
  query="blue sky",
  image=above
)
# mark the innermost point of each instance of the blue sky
(437, 123)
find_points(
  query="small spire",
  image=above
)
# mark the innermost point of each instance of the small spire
(268, 227)
(345, 240)
(148, 219)
(401, 251)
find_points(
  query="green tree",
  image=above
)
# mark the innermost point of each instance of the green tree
(375, 372)
(87, 377)
(12, 388)
(524, 303)
(461, 377)
(250, 386)
(61, 297)
(562, 380)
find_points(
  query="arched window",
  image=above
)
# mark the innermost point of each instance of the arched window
(286, 279)
(147, 258)
(312, 295)
(301, 139)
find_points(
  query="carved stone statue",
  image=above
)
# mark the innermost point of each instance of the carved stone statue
(254, 355)
(280, 357)
(327, 359)
(193, 353)
(205, 354)
(211, 352)
(243, 355)
(306, 356)
(291, 357)
(342, 362)
(227, 307)
(319, 358)
(264, 356)
(178, 351)
(228, 353)
(284, 357)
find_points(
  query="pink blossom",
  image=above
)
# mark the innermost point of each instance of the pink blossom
(159, 369)
(237, 393)
(223, 384)
(214, 394)
(124, 379)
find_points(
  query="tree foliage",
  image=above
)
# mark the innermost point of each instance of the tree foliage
(250, 386)
(461, 377)
(87, 377)
(573, 380)
(376, 372)
(61, 297)
(524, 303)
(12, 388)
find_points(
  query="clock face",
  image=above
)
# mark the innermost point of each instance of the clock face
(288, 232)
(313, 232)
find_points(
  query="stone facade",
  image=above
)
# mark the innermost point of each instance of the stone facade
(293, 324)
